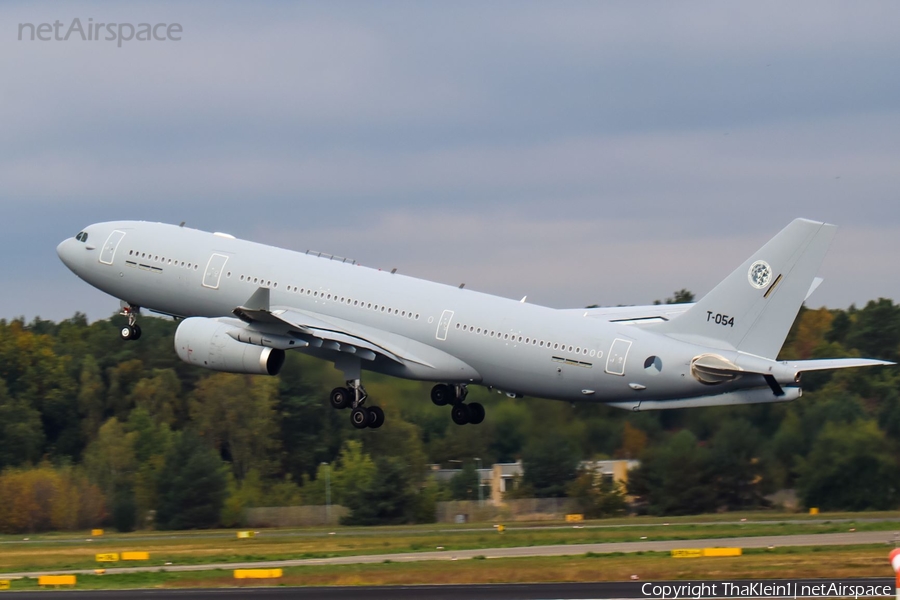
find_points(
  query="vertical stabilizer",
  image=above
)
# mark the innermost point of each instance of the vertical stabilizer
(753, 309)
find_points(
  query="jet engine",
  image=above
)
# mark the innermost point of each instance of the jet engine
(206, 343)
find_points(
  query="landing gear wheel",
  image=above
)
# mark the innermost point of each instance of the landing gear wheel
(340, 398)
(442, 394)
(359, 417)
(131, 331)
(476, 413)
(376, 417)
(460, 414)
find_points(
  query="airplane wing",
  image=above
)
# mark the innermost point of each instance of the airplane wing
(321, 331)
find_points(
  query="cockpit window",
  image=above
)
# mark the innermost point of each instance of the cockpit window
(82, 236)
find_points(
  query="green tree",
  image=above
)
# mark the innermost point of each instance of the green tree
(91, 397)
(739, 467)
(160, 396)
(508, 420)
(310, 432)
(464, 485)
(355, 473)
(21, 435)
(876, 331)
(549, 463)
(123, 377)
(682, 296)
(236, 413)
(192, 485)
(673, 478)
(109, 459)
(241, 495)
(124, 511)
(850, 467)
(152, 441)
(597, 495)
(388, 499)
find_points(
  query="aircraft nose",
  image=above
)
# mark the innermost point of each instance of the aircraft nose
(66, 253)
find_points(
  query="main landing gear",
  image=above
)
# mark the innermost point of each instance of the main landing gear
(444, 393)
(354, 396)
(132, 331)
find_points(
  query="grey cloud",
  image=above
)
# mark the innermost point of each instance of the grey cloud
(485, 142)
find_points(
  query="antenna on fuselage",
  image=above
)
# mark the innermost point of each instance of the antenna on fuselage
(394, 270)
(462, 285)
(182, 223)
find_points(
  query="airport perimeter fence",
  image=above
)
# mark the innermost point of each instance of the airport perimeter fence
(295, 516)
(524, 509)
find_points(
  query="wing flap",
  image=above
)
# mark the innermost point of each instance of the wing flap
(319, 331)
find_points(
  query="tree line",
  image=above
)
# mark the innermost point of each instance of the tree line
(94, 430)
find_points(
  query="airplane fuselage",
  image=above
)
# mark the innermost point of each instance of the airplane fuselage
(511, 346)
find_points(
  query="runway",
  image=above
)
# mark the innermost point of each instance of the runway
(820, 539)
(536, 591)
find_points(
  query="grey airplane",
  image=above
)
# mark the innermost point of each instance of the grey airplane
(242, 305)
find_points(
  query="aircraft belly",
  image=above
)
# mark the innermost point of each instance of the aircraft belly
(536, 377)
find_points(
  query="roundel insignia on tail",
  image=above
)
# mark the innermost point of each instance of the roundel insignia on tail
(759, 275)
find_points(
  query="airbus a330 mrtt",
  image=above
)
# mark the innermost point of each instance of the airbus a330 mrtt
(242, 305)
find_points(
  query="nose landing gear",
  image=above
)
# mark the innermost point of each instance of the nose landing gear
(132, 331)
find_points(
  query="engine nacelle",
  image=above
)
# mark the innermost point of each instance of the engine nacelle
(205, 343)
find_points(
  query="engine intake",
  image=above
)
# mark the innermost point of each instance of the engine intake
(206, 343)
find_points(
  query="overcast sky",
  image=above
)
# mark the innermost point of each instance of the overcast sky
(579, 153)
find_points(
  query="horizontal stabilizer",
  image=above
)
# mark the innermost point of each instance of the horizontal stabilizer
(837, 363)
(713, 368)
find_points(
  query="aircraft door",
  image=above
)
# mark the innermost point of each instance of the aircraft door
(444, 325)
(618, 352)
(214, 269)
(108, 253)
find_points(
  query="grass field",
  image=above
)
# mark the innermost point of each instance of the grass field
(60, 552)
(783, 563)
